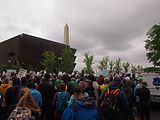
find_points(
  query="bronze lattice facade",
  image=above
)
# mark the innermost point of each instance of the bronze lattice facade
(27, 50)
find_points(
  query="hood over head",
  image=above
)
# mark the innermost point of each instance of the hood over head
(88, 102)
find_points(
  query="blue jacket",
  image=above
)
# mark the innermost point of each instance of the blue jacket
(37, 97)
(81, 110)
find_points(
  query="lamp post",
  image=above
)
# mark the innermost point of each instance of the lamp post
(9, 63)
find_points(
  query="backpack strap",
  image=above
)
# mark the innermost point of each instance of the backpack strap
(116, 92)
(107, 92)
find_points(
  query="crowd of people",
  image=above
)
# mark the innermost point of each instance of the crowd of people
(46, 96)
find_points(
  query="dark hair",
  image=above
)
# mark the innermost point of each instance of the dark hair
(47, 76)
(62, 86)
(23, 81)
(31, 85)
(91, 77)
(117, 81)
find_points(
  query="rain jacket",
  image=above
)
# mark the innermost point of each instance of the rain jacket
(37, 97)
(83, 109)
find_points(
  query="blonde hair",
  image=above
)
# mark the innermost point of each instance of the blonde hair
(27, 102)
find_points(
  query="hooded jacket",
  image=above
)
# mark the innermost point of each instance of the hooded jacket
(83, 109)
(4, 87)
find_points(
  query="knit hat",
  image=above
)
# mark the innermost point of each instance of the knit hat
(116, 81)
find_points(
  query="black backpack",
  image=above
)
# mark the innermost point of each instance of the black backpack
(109, 106)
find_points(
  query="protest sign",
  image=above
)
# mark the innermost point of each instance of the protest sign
(22, 72)
(8, 73)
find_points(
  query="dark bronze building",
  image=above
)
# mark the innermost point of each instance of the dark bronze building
(27, 50)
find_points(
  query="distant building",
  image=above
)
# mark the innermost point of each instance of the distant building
(27, 50)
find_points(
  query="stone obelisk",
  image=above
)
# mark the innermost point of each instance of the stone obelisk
(66, 35)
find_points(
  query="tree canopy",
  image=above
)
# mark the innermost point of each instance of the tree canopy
(88, 60)
(67, 64)
(49, 58)
(118, 65)
(104, 63)
(126, 66)
(153, 45)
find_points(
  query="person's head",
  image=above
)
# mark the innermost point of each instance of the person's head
(128, 83)
(13, 75)
(81, 84)
(100, 80)
(61, 87)
(107, 80)
(23, 81)
(117, 81)
(5, 81)
(78, 92)
(140, 79)
(27, 101)
(29, 77)
(88, 83)
(127, 78)
(22, 91)
(56, 83)
(31, 85)
(91, 77)
(47, 76)
(144, 84)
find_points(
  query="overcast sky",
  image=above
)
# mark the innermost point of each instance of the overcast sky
(114, 28)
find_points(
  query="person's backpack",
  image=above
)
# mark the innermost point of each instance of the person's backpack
(109, 105)
(62, 101)
(20, 113)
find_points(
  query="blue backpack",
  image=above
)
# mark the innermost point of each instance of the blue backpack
(62, 101)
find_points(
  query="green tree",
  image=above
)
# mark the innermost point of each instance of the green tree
(152, 45)
(67, 61)
(88, 60)
(16, 67)
(3, 67)
(118, 65)
(152, 69)
(111, 65)
(48, 61)
(126, 67)
(139, 69)
(104, 63)
(30, 68)
(133, 68)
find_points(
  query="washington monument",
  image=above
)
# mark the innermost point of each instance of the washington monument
(66, 35)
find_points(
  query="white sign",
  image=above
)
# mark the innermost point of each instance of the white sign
(104, 72)
(22, 72)
(8, 73)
